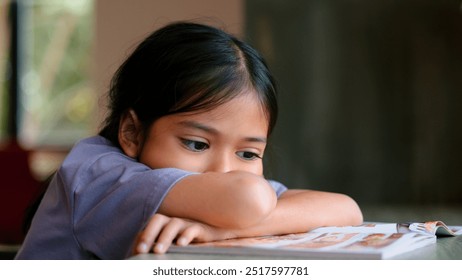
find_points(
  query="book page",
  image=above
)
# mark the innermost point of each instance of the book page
(369, 241)
(318, 245)
(364, 228)
(437, 228)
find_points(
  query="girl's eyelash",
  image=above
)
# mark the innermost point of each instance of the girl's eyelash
(253, 155)
(200, 146)
(193, 145)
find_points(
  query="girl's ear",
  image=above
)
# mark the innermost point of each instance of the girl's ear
(130, 134)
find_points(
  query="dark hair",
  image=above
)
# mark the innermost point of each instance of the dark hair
(187, 67)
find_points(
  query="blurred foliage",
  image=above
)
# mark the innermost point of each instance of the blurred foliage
(57, 98)
(4, 43)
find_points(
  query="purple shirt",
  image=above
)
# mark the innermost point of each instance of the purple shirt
(96, 204)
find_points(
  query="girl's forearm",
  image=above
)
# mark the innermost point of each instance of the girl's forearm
(226, 200)
(296, 211)
(304, 210)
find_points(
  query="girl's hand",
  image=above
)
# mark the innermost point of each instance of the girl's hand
(162, 230)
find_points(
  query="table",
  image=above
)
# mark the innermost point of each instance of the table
(446, 248)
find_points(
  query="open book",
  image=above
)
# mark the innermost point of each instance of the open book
(368, 241)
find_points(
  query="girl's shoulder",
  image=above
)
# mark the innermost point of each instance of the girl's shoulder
(95, 143)
(93, 154)
(93, 148)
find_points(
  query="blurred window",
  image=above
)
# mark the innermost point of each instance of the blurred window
(57, 101)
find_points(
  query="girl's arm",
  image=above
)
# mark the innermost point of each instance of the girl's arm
(235, 199)
(304, 210)
(296, 211)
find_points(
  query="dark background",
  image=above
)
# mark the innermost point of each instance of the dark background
(370, 96)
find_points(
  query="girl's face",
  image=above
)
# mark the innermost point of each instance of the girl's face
(231, 137)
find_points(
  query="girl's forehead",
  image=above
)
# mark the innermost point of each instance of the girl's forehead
(244, 112)
(235, 108)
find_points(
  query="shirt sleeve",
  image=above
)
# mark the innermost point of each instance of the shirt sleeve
(118, 212)
(279, 188)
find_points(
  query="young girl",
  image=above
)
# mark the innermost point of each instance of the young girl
(179, 158)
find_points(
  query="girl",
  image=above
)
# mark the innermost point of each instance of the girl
(179, 158)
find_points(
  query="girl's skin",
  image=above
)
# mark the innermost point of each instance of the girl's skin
(228, 197)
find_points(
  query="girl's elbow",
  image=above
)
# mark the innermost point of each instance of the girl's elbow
(261, 205)
(354, 213)
(256, 201)
(356, 216)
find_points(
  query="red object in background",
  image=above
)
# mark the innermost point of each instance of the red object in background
(18, 188)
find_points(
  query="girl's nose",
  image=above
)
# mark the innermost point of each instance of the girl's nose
(220, 163)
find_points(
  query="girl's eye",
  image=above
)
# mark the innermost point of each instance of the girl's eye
(248, 155)
(195, 146)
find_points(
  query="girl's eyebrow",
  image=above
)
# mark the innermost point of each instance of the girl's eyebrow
(214, 131)
(256, 139)
(200, 126)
